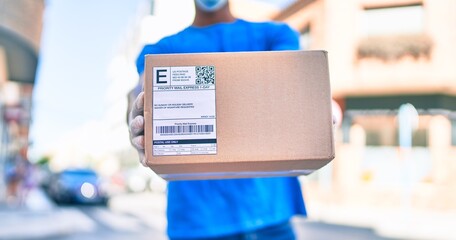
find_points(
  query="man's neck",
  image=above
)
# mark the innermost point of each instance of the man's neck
(222, 15)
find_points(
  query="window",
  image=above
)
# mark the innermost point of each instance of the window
(3, 70)
(305, 39)
(390, 33)
(388, 134)
(453, 132)
(393, 20)
(152, 7)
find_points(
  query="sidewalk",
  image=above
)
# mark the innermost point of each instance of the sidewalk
(400, 223)
(39, 218)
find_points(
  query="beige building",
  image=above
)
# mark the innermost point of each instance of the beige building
(20, 32)
(384, 54)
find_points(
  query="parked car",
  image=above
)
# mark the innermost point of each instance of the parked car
(77, 186)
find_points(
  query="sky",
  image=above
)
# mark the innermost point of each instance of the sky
(279, 3)
(79, 40)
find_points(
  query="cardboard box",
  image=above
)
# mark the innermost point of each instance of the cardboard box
(235, 115)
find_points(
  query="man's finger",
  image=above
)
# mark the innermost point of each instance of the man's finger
(138, 106)
(142, 158)
(137, 126)
(138, 142)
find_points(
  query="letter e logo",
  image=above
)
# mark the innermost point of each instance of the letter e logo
(161, 76)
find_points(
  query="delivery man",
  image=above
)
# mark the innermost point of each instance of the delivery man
(253, 208)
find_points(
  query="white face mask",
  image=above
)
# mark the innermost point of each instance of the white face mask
(210, 5)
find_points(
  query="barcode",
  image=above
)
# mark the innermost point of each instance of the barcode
(185, 129)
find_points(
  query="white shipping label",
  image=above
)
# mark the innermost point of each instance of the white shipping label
(184, 119)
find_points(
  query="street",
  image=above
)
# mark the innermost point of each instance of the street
(133, 216)
(111, 225)
(103, 223)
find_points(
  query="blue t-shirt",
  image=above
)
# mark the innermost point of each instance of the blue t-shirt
(208, 208)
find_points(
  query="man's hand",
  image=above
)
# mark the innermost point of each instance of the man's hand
(136, 126)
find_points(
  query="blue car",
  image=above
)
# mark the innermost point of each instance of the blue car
(77, 186)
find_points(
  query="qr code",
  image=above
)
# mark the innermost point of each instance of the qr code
(205, 75)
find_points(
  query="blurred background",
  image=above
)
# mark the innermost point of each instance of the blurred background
(66, 68)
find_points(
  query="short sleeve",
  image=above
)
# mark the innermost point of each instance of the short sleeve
(140, 60)
(284, 38)
(147, 49)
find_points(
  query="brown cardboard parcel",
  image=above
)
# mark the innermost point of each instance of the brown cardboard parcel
(234, 115)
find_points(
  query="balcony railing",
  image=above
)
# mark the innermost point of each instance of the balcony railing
(391, 48)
